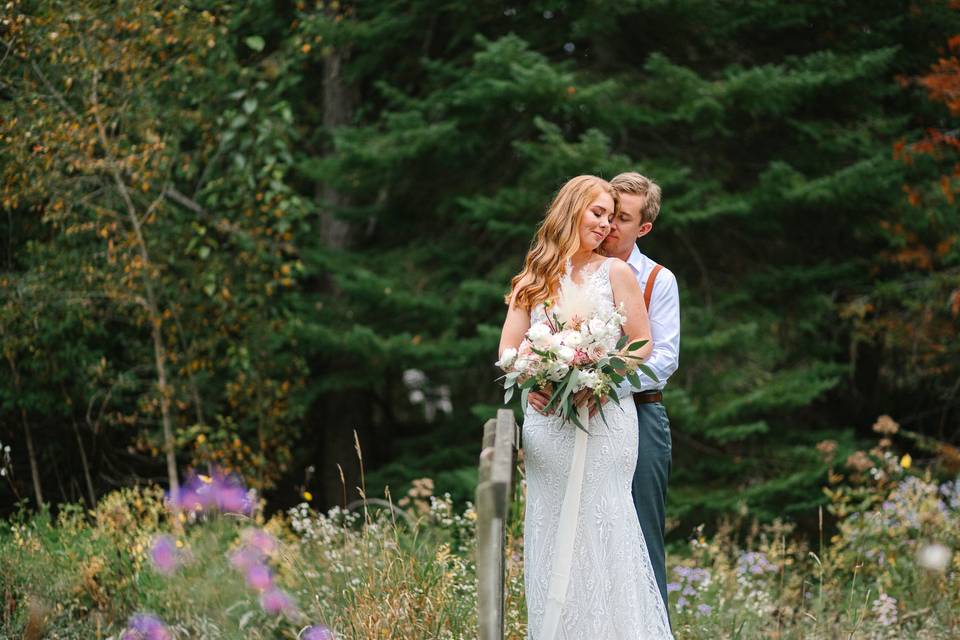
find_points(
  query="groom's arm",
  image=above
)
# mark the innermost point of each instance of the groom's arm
(665, 329)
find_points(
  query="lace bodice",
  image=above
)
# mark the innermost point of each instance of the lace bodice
(595, 287)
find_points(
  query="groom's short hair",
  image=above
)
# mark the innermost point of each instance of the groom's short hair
(635, 184)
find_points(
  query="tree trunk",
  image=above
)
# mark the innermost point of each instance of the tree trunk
(339, 102)
(150, 299)
(28, 434)
(338, 413)
(86, 465)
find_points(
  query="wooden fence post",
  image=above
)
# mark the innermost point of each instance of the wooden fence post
(494, 492)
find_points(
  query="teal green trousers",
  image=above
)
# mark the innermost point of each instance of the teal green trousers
(654, 459)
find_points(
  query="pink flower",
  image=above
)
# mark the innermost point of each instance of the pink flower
(144, 626)
(317, 632)
(260, 540)
(581, 358)
(597, 351)
(243, 558)
(259, 577)
(163, 554)
(276, 601)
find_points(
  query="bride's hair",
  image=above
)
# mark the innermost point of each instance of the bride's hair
(557, 238)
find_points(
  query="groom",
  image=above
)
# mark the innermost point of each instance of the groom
(639, 207)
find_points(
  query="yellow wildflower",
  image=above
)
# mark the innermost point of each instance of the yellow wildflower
(905, 461)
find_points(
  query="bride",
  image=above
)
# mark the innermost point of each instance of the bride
(588, 577)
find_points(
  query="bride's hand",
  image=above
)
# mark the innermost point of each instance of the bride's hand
(585, 397)
(539, 399)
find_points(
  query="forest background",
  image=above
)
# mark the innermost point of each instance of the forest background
(257, 235)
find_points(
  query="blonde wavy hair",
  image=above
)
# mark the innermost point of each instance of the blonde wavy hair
(557, 238)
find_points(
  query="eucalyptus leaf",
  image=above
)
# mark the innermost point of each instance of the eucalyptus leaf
(508, 395)
(647, 371)
(636, 345)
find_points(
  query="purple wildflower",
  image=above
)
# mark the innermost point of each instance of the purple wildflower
(144, 626)
(232, 498)
(317, 632)
(218, 491)
(673, 586)
(276, 601)
(704, 609)
(259, 577)
(163, 554)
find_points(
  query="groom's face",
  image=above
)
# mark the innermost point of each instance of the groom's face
(627, 227)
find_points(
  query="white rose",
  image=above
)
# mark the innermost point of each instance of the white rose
(584, 379)
(540, 335)
(507, 358)
(522, 364)
(556, 371)
(571, 338)
(566, 354)
(597, 327)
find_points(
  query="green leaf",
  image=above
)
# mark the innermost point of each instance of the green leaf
(618, 363)
(542, 354)
(603, 416)
(528, 383)
(255, 42)
(622, 341)
(647, 371)
(636, 345)
(634, 379)
(250, 105)
(576, 420)
(508, 395)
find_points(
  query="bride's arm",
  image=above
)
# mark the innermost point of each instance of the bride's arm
(626, 289)
(514, 326)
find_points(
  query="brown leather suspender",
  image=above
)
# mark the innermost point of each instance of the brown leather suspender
(650, 280)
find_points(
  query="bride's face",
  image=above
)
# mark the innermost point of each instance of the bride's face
(595, 222)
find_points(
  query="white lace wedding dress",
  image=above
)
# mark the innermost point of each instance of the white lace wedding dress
(612, 593)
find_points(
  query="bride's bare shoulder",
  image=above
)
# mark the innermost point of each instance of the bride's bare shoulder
(619, 267)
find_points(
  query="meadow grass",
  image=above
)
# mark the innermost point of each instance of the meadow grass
(385, 571)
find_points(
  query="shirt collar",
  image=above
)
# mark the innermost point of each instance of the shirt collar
(637, 260)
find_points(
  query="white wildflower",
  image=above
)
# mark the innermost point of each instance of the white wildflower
(885, 608)
(935, 557)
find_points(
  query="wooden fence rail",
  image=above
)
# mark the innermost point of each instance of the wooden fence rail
(494, 492)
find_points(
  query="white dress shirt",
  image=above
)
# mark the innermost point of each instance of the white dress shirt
(664, 324)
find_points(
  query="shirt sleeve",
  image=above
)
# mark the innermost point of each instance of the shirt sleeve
(665, 330)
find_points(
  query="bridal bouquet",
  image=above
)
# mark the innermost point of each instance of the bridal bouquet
(578, 347)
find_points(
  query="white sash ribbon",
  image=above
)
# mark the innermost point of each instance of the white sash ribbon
(566, 533)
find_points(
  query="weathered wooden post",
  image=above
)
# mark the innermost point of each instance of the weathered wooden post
(494, 493)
